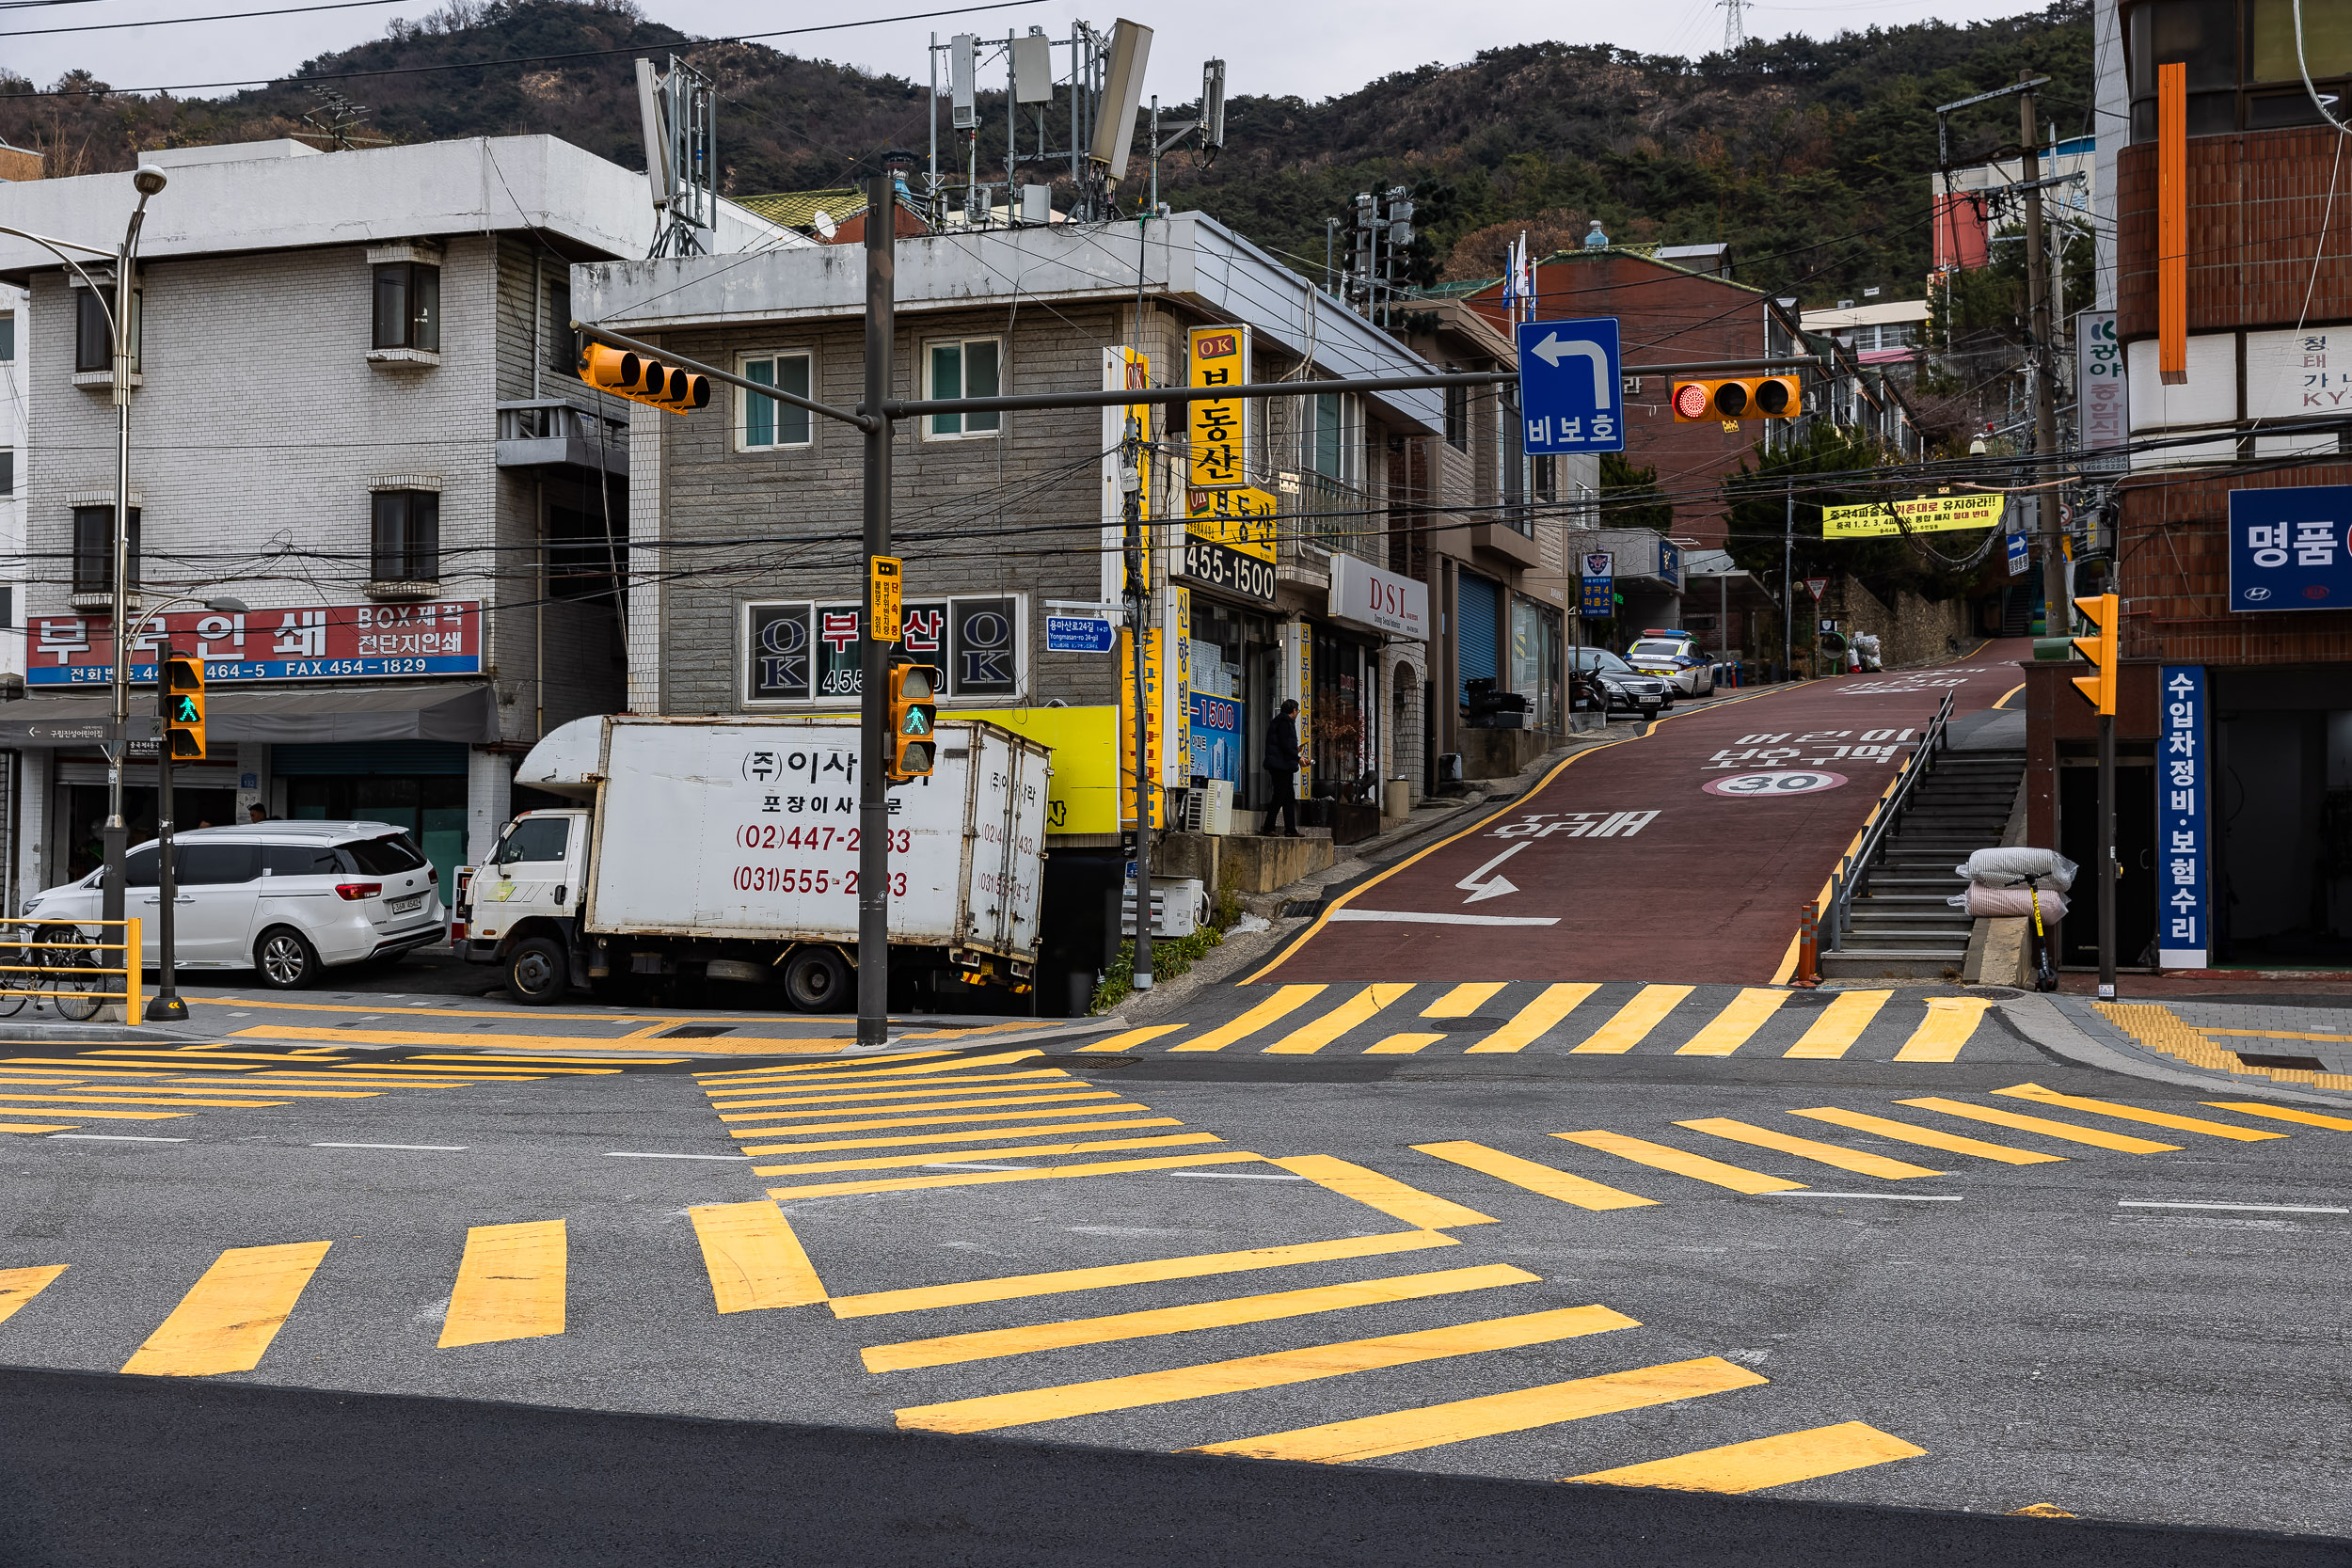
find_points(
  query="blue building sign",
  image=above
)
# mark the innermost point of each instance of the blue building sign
(1670, 564)
(2184, 851)
(2291, 549)
(1598, 601)
(1570, 392)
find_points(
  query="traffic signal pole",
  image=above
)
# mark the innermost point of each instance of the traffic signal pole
(167, 1005)
(2106, 868)
(874, 742)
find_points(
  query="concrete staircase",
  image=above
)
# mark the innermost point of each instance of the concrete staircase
(1901, 927)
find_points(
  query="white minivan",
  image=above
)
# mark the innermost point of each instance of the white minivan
(284, 898)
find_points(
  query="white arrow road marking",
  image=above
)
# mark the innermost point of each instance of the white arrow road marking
(1417, 917)
(1477, 884)
(1553, 350)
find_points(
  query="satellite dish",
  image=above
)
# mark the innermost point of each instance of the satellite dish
(826, 228)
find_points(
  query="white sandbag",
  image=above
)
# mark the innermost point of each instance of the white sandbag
(2010, 868)
(2000, 902)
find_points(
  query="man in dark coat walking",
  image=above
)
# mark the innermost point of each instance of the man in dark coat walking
(1281, 766)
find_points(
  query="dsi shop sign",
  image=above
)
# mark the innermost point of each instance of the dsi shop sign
(2291, 549)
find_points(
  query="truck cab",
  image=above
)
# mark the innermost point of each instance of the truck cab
(520, 908)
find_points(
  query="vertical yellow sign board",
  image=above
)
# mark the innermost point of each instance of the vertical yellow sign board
(1154, 687)
(1219, 426)
(885, 618)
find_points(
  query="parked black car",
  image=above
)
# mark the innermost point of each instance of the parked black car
(1598, 678)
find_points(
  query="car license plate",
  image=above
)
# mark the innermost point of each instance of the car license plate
(409, 905)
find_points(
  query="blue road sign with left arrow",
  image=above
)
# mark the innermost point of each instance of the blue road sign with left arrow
(1569, 391)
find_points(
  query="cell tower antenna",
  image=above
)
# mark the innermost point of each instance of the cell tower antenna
(1735, 26)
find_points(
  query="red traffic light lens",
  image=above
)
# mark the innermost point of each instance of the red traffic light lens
(1691, 400)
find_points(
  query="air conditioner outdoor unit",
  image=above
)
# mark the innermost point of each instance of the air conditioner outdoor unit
(1209, 808)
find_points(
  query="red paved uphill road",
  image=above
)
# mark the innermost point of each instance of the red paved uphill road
(1684, 854)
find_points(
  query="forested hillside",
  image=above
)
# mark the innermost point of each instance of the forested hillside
(1810, 157)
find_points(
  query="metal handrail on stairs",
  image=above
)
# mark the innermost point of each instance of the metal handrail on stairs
(1853, 870)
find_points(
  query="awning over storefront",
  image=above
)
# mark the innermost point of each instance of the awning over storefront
(465, 713)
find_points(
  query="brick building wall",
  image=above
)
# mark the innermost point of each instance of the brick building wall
(2258, 203)
(2175, 577)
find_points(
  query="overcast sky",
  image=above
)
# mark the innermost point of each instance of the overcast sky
(1312, 48)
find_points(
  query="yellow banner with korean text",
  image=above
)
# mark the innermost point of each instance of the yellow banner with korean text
(1239, 520)
(1927, 515)
(1220, 427)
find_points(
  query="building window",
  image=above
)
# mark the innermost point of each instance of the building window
(8, 470)
(1457, 417)
(8, 336)
(1547, 478)
(803, 652)
(406, 543)
(94, 549)
(562, 342)
(409, 307)
(971, 368)
(93, 332)
(2242, 74)
(763, 421)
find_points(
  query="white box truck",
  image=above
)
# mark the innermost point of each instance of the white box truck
(728, 848)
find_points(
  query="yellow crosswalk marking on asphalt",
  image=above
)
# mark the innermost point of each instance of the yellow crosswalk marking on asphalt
(2097, 1136)
(229, 1317)
(1309, 1038)
(1950, 1022)
(935, 1156)
(1732, 1028)
(1751, 1466)
(81, 1114)
(1521, 1410)
(403, 1036)
(19, 1286)
(988, 1344)
(1839, 1027)
(983, 1178)
(505, 1056)
(1022, 1287)
(54, 1100)
(1401, 1045)
(510, 1285)
(1383, 1192)
(1036, 1084)
(2255, 1108)
(1535, 1178)
(754, 1260)
(2134, 1113)
(180, 1058)
(275, 1090)
(909, 1140)
(1127, 1038)
(1930, 1138)
(830, 1074)
(1633, 1022)
(1551, 1004)
(1463, 1000)
(755, 1110)
(992, 1412)
(804, 1069)
(1861, 1164)
(37, 1127)
(1287, 1000)
(938, 1121)
(1681, 1162)
(126, 1069)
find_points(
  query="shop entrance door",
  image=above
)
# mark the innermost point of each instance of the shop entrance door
(2135, 856)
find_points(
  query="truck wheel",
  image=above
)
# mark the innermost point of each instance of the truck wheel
(535, 972)
(816, 980)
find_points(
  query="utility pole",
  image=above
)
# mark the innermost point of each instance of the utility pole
(168, 1003)
(1787, 580)
(1137, 562)
(2059, 620)
(873, 850)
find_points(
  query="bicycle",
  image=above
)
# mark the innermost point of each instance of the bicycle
(57, 965)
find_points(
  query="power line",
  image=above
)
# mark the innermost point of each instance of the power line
(175, 21)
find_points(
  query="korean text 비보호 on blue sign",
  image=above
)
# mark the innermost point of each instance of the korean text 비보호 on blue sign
(2182, 853)
(2291, 549)
(1570, 393)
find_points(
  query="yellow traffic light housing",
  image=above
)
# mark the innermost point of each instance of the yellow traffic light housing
(2103, 612)
(913, 718)
(625, 374)
(1766, 397)
(183, 707)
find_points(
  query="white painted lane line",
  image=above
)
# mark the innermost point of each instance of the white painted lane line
(434, 1148)
(1236, 1176)
(631, 1154)
(2247, 1207)
(114, 1138)
(1882, 1198)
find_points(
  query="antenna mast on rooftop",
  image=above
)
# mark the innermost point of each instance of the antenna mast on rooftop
(338, 117)
(679, 112)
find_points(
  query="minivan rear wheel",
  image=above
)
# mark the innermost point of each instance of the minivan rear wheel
(285, 958)
(536, 972)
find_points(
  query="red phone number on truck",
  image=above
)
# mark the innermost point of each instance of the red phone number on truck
(801, 879)
(775, 836)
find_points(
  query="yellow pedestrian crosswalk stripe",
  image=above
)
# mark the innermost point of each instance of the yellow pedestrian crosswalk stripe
(1681, 1162)
(1535, 1178)
(1730, 1029)
(2096, 1136)
(822, 1070)
(1529, 1023)
(510, 1285)
(1839, 1027)
(730, 1099)
(1402, 1045)
(768, 1110)
(995, 1412)
(1026, 1151)
(1633, 1022)
(870, 1123)
(226, 1321)
(1464, 1000)
(1854, 1160)
(37, 1126)
(2135, 1113)
(81, 1114)
(991, 1177)
(1930, 1138)
(1521, 1410)
(2284, 1113)
(1022, 1287)
(1358, 1009)
(19, 1286)
(943, 1139)
(989, 1344)
(754, 1261)
(1127, 1037)
(1284, 1001)
(1385, 1193)
(1950, 1022)
(1751, 1466)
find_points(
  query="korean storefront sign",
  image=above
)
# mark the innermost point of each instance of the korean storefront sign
(1229, 542)
(802, 651)
(2183, 856)
(2104, 387)
(1124, 368)
(1598, 599)
(335, 643)
(2291, 549)
(1154, 695)
(1927, 515)
(1362, 594)
(1219, 426)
